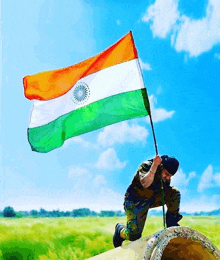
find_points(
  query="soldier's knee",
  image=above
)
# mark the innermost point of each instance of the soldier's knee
(175, 192)
(134, 232)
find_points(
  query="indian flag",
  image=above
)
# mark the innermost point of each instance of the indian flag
(100, 91)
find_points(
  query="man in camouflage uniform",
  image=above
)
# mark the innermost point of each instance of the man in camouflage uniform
(145, 193)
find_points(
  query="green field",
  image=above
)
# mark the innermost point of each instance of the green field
(78, 238)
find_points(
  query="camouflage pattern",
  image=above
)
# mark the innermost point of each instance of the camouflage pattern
(136, 192)
(137, 211)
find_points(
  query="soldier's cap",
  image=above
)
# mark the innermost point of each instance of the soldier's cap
(170, 163)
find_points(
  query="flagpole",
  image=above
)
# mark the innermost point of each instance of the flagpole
(161, 181)
(156, 149)
(152, 126)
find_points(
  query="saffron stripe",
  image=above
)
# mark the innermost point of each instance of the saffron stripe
(51, 84)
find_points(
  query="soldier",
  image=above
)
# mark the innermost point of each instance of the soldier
(145, 193)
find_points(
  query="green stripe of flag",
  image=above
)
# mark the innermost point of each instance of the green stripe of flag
(104, 112)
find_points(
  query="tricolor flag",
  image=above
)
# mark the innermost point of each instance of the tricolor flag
(100, 91)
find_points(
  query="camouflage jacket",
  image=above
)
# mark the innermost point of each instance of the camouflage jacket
(137, 192)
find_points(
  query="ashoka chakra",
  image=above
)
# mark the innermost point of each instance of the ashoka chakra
(80, 93)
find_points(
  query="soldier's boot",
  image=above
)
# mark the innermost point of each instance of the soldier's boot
(117, 239)
(173, 219)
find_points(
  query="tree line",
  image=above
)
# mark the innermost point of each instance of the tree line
(85, 212)
(82, 212)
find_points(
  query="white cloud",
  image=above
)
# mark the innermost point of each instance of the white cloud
(12, 178)
(122, 133)
(217, 56)
(190, 35)
(96, 199)
(89, 190)
(203, 203)
(158, 114)
(99, 181)
(163, 16)
(110, 199)
(159, 90)
(208, 179)
(198, 36)
(216, 178)
(86, 195)
(108, 160)
(76, 140)
(77, 172)
(181, 181)
(144, 65)
(118, 22)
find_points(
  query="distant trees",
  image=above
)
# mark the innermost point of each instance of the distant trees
(76, 213)
(43, 213)
(34, 213)
(110, 213)
(9, 212)
(85, 212)
(67, 214)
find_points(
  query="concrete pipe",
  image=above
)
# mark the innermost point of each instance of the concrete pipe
(174, 243)
(180, 243)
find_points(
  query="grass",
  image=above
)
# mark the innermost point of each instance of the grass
(78, 238)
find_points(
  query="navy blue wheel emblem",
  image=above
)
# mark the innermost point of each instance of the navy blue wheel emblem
(80, 93)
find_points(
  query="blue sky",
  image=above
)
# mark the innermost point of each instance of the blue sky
(179, 48)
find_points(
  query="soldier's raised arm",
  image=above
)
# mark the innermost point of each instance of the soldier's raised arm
(146, 178)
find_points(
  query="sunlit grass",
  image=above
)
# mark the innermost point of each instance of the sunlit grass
(78, 238)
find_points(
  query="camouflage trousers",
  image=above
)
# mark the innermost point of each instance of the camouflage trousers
(137, 212)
